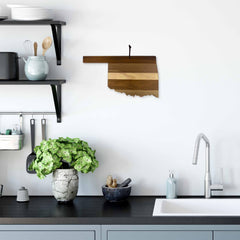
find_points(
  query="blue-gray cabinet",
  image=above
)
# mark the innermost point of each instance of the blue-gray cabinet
(159, 235)
(171, 232)
(226, 235)
(120, 232)
(47, 235)
(153, 232)
(50, 232)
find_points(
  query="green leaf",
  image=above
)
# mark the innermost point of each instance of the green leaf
(51, 154)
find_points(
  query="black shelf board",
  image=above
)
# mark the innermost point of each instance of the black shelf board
(28, 82)
(38, 22)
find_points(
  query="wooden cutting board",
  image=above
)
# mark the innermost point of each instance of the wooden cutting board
(137, 75)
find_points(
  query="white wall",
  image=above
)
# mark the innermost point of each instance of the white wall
(197, 44)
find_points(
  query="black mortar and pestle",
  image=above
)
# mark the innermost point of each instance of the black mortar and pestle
(118, 193)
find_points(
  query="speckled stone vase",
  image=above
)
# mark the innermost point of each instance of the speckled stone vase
(65, 184)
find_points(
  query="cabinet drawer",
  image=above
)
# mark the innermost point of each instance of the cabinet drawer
(158, 235)
(226, 235)
(47, 235)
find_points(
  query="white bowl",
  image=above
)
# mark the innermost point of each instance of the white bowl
(30, 13)
(17, 5)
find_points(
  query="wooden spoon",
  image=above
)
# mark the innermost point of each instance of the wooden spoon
(46, 44)
(35, 48)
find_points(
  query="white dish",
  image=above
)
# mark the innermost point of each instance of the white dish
(16, 5)
(30, 13)
(197, 207)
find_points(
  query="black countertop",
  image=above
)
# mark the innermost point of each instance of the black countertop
(93, 210)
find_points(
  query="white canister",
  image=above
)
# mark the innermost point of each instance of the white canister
(22, 195)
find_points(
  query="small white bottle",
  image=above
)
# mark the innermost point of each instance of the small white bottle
(171, 186)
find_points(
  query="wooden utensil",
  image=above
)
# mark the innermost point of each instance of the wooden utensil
(46, 44)
(133, 75)
(35, 48)
(31, 157)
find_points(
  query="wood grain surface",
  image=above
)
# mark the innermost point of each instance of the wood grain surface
(140, 93)
(119, 59)
(133, 84)
(133, 68)
(135, 79)
(135, 76)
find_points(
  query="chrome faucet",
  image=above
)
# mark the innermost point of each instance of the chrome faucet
(208, 187)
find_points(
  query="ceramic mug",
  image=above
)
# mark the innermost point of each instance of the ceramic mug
(36, 68)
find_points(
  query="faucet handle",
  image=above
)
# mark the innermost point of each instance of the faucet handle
(216, 187)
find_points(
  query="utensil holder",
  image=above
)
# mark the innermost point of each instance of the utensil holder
(12, 142)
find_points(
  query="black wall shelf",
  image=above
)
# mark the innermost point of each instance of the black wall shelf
(56, 27)
(29, 82)
(38, 22)
(56, 86)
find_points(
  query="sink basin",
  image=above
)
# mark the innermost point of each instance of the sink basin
(197, 207)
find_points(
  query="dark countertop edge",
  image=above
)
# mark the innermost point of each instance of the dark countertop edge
(123, 221)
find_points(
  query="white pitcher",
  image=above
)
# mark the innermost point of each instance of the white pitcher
(36, 68)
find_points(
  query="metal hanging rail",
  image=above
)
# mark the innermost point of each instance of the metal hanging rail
(27, 113)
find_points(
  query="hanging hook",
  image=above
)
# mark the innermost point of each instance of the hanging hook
(130, 47)
(21, 122)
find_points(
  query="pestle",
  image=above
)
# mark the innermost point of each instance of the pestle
(125, 183)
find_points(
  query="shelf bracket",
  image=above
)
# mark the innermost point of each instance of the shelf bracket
(57, 36)
(57, 98)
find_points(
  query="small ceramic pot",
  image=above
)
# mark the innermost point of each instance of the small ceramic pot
(36, 68)
(65, 184)
(22, 195)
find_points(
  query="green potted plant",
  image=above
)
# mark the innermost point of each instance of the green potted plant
(64, 157)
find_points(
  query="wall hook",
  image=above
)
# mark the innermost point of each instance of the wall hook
(21, 122)
(130, 47)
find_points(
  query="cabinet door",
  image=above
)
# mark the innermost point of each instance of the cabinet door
(159, 235)
(47, 235)
(226, 235)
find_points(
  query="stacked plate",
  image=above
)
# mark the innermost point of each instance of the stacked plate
(29, 13)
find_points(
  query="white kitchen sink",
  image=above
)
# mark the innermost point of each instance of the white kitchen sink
(197, 207)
